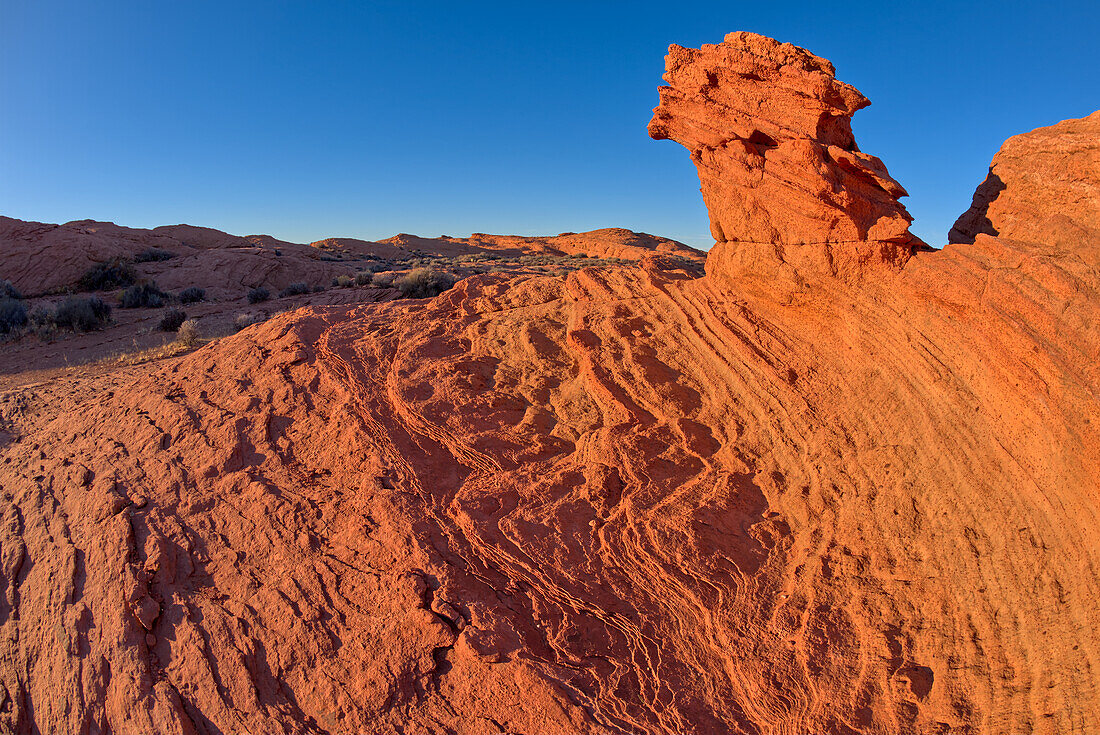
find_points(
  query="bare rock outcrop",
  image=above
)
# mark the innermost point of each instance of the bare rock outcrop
(1043, 188)
(768, 126)
(41, 258)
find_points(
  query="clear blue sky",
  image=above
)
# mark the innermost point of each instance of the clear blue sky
(363, 119)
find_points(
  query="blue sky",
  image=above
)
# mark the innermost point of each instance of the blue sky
(312, 119)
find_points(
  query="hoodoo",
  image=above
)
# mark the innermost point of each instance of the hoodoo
(769, 128)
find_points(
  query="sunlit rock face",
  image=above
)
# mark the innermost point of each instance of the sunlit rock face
(1043, 188)
(768, 126)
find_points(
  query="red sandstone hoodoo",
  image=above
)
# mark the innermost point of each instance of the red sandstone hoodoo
(770, 129)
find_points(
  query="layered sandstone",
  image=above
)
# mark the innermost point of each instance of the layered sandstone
(769, 129)
(627, 500)
(1043, 188)
(610, 242)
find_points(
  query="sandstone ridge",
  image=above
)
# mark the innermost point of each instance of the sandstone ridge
(1042, 188)
(41, 258)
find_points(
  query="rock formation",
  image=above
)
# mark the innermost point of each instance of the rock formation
(45, 262)
(1043, 188)
(629, 500)
(769, 129)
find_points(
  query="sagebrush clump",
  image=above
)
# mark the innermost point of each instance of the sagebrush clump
(145, 296)
(245, 320)
(82, 314)
(294, 289)
(423, 283)
(192, 294)
(382, 280)
(8, 291)
(257, 295)
(42, 322)
(13, 315)
(153, 255)
(108, 275)
(188, 334)
(172, 320)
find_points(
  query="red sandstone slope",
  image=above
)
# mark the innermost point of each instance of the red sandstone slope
(42, 258)
(770, 500)
(46, 262)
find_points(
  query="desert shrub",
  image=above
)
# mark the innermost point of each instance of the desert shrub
(42, 322)
(363, 278)
(8, 291)
(82, 314)
(110, 274)
(172, 320)
(382, 280)
(188, 333)
(343, 281)
(192, 294)
(375, 267)
(13, 315)
(294, 289)
(423, 283)
(318, 288)
(258, 294)
(244, 320)
(145, 296)
(153, 255)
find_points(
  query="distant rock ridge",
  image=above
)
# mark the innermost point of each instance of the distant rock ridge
(41, 258)
(768, 126)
